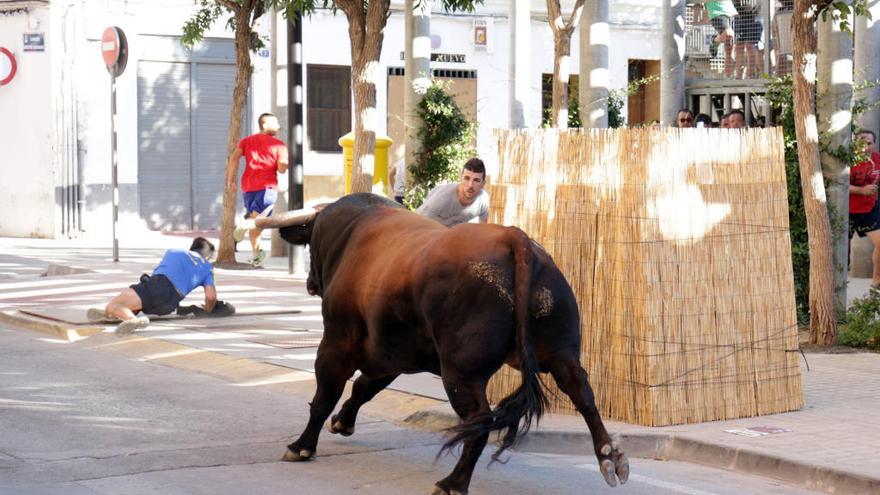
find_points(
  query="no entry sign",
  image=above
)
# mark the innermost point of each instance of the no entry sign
(114, 49)
(7, 66)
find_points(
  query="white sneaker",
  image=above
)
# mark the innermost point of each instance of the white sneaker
(238, 233)
(129, 326)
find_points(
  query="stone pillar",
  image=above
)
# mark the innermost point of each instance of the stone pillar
(593, 80)
(279, 245)
(672, 62)
(867, 46)
(520, 27)
(834, 87)
(417, 73)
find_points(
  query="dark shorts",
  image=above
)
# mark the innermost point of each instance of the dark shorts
(158, 295)
(258, 201)
(747, 29)
(862, 223)
(721, 23)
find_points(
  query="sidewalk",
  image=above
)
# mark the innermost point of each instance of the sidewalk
(830, 445)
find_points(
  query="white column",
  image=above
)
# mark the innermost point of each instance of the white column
(417, 72)
(672, 62)
(279, 245)
(834, 86)
(520, 55)
(593, 74)
(867, 46)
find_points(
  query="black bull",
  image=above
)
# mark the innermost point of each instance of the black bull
(403, 294)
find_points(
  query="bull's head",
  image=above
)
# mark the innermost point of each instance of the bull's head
(295, 227)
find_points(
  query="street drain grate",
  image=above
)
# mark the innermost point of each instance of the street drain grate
(288, 341)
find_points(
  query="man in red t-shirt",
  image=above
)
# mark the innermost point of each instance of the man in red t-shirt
(864, 211)
(265, 156)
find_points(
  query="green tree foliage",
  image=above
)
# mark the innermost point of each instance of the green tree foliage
(211, 10)
(447, 142)
(779, 92)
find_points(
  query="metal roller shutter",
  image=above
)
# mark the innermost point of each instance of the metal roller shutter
(213, 97)
(164, 145)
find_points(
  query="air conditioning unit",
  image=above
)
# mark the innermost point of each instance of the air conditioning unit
(698, 39)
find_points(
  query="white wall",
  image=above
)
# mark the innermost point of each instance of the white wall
(27, 193)
(29, 166)
(155, 18)
(635, 34)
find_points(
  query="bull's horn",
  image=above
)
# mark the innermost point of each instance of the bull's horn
(287, 218)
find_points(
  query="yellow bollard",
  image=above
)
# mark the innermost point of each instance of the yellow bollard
(380, 162)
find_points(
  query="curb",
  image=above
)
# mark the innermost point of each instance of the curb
(669, 447)
(66, 331)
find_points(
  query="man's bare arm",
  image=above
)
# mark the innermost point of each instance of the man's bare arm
(210, 298)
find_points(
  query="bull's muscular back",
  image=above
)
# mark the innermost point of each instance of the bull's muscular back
(405, 288)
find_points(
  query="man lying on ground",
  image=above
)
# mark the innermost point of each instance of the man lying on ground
(177, 275)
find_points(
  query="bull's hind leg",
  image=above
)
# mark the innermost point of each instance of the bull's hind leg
(572, 379)
(363, 391)
(333, 367)
(468, 400)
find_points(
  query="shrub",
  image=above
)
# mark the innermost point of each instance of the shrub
(447, 139)
(862, 323)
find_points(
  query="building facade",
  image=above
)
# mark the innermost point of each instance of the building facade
(173, 103)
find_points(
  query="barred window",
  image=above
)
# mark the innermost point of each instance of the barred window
(328, 105)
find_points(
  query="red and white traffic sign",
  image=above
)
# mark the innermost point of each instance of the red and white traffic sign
(110, 46)
(7, 66)
(114, 50)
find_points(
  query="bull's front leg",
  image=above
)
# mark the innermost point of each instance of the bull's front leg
(572, 379)
(363, 391)
(333, 367)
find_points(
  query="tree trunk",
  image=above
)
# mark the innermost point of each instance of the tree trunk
(561, 72)
(366, 32)
(243, 70)
(562, 32)
(823, 318)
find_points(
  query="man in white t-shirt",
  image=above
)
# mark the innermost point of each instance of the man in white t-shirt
(463, 202)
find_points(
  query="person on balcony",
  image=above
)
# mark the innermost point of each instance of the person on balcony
(748, 45)
(721, 15)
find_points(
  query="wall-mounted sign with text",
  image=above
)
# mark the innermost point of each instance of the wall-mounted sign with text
(449, 58)
(483, 34)
(34, 42)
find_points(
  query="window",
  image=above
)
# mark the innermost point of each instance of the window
(329, 106)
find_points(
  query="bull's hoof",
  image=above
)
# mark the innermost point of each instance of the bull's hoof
(614, 465)
(336, 427)
(442, 491)
(302, 455)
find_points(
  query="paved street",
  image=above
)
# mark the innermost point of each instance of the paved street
(158, 410)
(87, 418)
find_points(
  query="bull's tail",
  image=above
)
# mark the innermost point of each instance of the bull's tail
(515, 413)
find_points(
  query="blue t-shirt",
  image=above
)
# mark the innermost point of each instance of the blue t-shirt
(186, 270)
